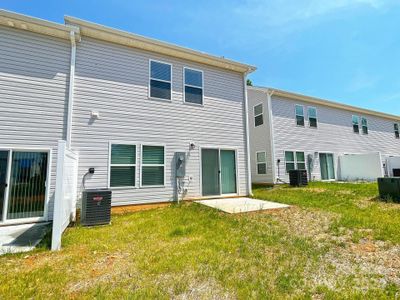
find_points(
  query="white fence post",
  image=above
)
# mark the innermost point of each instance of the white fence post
(65, 195)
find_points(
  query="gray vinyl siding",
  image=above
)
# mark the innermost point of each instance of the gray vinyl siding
(260, 139)
(334, 134)
(113, 80)
(34, 72)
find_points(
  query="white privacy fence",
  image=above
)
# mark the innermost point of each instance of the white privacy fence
(66, 192)
(366, 166)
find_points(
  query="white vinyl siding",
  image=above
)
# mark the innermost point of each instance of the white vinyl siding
(193, 86)
(34, 74)
(258, 115)
(261, 157)
(160, 81)
(299, 111)
(114, 80)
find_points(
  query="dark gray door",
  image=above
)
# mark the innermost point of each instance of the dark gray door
(3, 180)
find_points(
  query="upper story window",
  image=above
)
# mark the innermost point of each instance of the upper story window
(299, 115)
(312, 117)
(193, 86)
(355, 121)
(294, 160)
(364, 125)
(160, 80)
(396, 130)
(122, 169)
(261, 163)
(258, 115)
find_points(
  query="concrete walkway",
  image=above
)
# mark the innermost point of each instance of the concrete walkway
(241, 205)
(21, 238)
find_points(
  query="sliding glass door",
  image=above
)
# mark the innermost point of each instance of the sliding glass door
(3, 181)
(218, 172)
(23, 182)
(327, 166)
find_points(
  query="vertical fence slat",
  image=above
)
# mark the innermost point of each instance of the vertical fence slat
(65, 194)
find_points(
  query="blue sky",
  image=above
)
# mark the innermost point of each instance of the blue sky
(343, 50)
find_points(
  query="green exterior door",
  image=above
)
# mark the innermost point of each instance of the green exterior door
(327, 166)
(210, 172)
(228, 171)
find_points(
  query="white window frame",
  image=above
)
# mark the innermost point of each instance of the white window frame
(11, 149)
(362, 126)
(295, 115)
(189, 85)
(262, 114)
(396, 136)
(150, 78)
(152, 165)
(358, 123)
(316, 116)
(121, 165)
(259, 163)
(295, 159)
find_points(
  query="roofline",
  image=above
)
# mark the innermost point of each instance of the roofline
(23, 22)
(325, 102)
(137, 41)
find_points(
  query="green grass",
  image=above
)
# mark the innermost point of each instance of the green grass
(357, 205)
(193, 252)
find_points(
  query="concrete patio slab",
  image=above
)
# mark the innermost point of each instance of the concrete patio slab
(21, 238)
(241, 205)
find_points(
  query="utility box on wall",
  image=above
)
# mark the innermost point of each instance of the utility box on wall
(180, 164)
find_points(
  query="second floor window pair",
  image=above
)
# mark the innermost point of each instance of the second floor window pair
(312, 116)
(161, 83)
(356, 125)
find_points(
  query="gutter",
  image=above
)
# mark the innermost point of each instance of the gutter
(271, 134)
(246, 111)
(71, 87)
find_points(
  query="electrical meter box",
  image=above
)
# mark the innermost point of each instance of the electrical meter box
(180, 161)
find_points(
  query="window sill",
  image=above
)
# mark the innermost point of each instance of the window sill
(159, 99)
(122, 188)
(194, 104)
(152, 186)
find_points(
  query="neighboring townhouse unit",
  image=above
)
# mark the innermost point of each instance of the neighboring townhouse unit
(332, 141)
(130, 106)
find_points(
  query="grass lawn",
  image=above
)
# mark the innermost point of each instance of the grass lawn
(336, 242)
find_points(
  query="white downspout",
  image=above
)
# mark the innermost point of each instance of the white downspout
(71, 89)
(271, 135)
(246, 108)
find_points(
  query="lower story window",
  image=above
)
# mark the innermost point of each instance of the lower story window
(261, 163)
(153, 165)
(123, 165)
(294, 160)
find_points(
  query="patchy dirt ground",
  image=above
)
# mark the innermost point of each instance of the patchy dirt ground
(367, 263)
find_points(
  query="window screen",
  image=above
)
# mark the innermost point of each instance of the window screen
(299, 115)
(312, 117)
(123, 165)
(261, 163)
(193, 86)
(258, 115)
(160, 80)
(153, 165)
